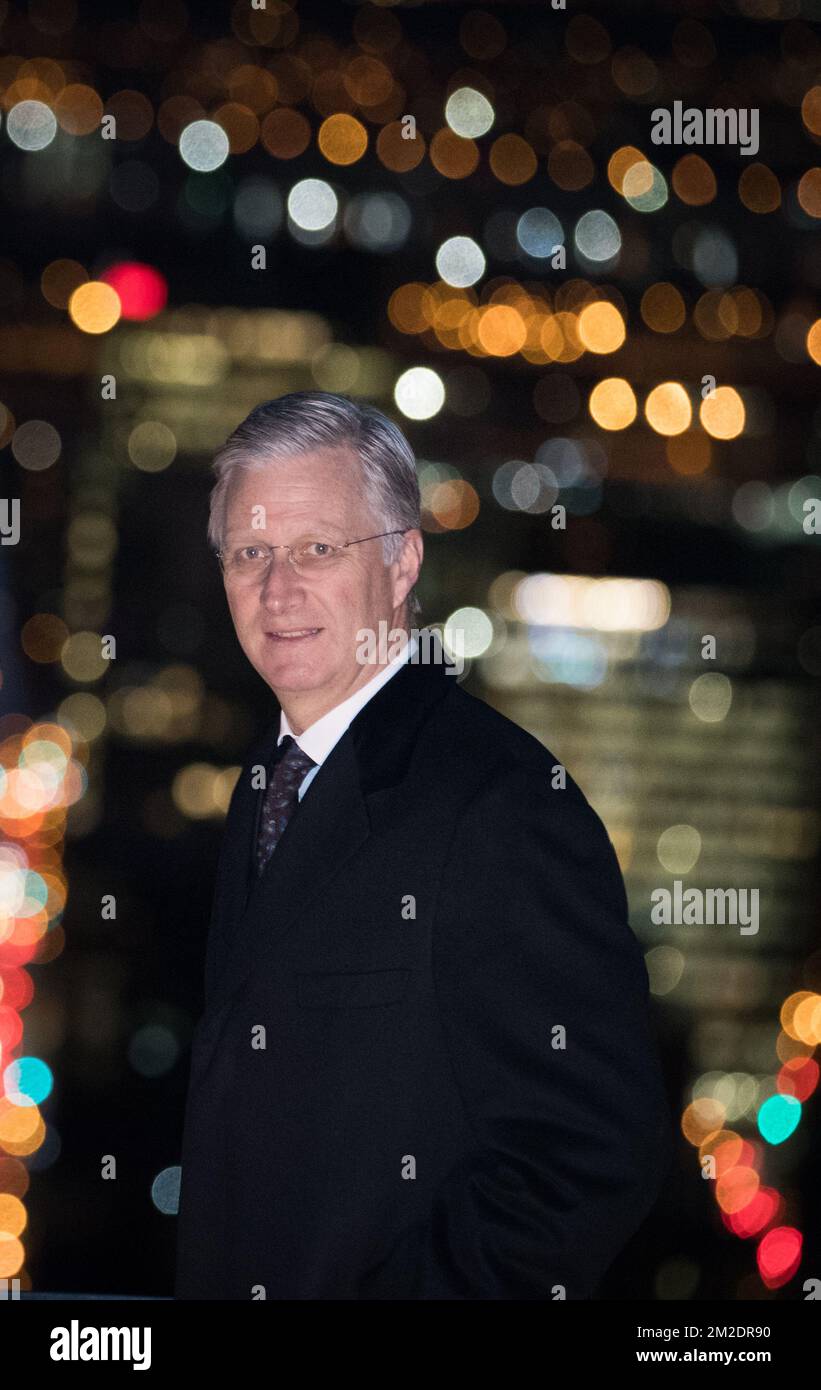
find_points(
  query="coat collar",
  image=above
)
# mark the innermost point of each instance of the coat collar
(319, 738)
(335, 818)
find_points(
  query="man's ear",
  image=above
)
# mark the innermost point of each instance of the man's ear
(406, 568)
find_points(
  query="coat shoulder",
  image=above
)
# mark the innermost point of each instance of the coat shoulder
(487, 738)
(498, 765)
(515, 782)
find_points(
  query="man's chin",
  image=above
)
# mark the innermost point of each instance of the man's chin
(290, 665)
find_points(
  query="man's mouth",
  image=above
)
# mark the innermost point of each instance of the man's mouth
(293, 634)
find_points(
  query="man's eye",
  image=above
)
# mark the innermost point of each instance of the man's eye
(248, 553)
(318, 550)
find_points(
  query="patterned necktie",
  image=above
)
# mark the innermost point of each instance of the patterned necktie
(281, 797)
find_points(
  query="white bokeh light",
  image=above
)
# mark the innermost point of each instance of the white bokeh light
(468, 633)
(710, 697)
(204, 146)
(597, 236)
(165, 1190)
(31, 125)
(539, 232)
(419, 393)
(460, 262)
(678, 848)
(312, 205)
(468, 113)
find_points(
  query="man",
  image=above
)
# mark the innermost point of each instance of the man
(424, 1069)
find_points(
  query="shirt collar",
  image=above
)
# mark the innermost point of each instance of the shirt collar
(321, 736)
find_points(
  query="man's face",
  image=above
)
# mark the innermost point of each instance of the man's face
(299, 630)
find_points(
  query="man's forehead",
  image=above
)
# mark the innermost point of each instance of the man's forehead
(299, 490)
(302, 466)
(331, 482)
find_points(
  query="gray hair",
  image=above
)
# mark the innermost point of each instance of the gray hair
(303, 421)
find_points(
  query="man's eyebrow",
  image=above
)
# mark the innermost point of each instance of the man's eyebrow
(256, 533)
(236, 537)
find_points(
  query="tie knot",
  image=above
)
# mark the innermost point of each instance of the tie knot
(292, 757)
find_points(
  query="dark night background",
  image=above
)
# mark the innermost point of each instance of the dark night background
(714, 783)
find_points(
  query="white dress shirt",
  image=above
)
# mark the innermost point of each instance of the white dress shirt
(322, 736)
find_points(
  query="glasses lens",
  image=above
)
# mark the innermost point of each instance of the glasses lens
(314, 554)
(247, 560)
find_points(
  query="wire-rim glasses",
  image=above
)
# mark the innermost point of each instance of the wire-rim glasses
(311, 555)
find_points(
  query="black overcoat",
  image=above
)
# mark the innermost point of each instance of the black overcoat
(425, 1067)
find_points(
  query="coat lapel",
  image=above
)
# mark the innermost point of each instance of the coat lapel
(234, 869)
(332, 822)
(252, 916)
(329, 825)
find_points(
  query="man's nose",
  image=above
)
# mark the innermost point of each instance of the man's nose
(280, 578)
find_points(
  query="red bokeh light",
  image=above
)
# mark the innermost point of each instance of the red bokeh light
(759, 1212)
(11, 1029)
(143, 291)
(779, 1255)
(16, 988)
(798, 1077)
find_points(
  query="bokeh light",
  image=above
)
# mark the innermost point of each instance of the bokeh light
(313, 205)
(469, 113)
(141, 290)
(460, 261)
(94, 307)
(204, 146)
(419, 393)
(667, 408)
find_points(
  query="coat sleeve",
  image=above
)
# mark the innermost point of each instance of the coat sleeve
(543, 996)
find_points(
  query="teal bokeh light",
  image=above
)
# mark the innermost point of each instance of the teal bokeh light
(27, 1080)
(778, 1117)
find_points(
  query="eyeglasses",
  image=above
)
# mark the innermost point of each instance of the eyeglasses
(308, 556)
